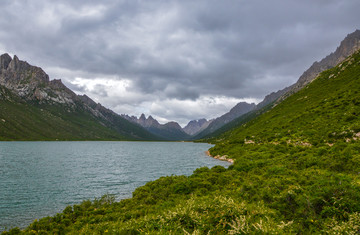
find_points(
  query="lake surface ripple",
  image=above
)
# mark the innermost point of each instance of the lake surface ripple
(39, 179)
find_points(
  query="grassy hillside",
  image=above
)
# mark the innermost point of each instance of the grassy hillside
(30, 121)
(296, 171)
(209, 137)
(324, 112)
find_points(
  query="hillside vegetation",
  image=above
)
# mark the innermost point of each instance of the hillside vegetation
(296, 171)
(21, 120)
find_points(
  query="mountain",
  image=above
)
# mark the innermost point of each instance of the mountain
(347, 47)
(195, 126)
(304, 153)
(237, 111)
(296, 171)
(35, 108)
(325, 111)
(168, 131)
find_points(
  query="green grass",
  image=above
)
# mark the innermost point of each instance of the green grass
(26, 122)
(324, 112)
(296, 171)
(21, 120)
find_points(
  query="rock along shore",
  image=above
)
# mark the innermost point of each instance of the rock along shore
(222, 158)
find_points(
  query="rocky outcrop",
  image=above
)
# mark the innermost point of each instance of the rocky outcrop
(32, 83)
(221, 158)
(5, 60)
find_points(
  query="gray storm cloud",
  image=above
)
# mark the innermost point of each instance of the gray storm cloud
(174, 52)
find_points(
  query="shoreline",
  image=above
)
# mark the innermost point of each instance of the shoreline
(221, 158)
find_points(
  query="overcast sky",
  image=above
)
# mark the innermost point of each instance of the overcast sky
(175, 60)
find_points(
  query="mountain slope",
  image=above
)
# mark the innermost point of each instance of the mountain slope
(237, 111)
(347, 47)
(243, 119)
(323, 112)
(195, 126)
(35, 108)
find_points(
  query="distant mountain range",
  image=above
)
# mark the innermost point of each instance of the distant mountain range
(34, 108)
(168, 131)
(194, 129)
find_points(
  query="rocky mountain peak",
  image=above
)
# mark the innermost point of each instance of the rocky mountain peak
(145, 122)
(17, 65)
(5, 60)
(32, 83)
(173, 125)
(142, 117)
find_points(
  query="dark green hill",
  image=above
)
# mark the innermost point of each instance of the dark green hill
(20, 120)
(169, 131)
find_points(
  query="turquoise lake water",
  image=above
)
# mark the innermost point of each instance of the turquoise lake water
(39, 179)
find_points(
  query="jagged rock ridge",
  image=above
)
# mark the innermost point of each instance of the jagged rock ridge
(169, 131)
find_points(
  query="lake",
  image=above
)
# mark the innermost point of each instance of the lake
(39, 179)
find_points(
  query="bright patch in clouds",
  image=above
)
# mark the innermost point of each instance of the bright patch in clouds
(164, 110)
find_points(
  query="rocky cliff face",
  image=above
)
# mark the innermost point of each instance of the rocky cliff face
(195, 126)
(32, 83)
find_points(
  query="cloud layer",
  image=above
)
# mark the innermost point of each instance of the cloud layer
(176, 60)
